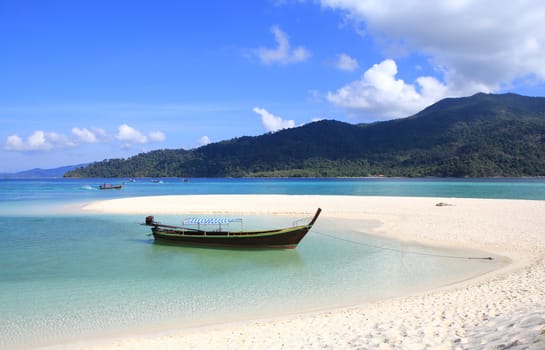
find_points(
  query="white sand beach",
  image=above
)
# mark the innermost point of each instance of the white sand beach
(503, 309)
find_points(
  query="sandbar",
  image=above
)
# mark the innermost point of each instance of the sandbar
(504, 309)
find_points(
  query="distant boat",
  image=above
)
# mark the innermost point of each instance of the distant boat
(156, 181)
(284, 238)
(111, 187)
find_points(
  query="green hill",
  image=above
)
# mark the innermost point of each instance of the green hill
(479, 136)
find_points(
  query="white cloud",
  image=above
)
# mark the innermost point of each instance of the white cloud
(59, 140)
(478, 45)
(101, 134)
(38, 141)
(346, 63)
(283, 53)
(84, 135)
(271, 122)
(41, 140)
(14, 143)
(380, 95)
(203, 141)
(131, 135)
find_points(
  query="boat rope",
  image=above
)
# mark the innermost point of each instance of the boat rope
(403, 251)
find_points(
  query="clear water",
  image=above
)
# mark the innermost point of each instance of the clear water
(67, 276)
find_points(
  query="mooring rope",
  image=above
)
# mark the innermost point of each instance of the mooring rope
(403, 251)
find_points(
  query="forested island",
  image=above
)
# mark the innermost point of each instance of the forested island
(485, 135)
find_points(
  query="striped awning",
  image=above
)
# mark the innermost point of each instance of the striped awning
(209, 221)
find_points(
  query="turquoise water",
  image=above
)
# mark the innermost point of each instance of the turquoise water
(66, 276)
(87, 189)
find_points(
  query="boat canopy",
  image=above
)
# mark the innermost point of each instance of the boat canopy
(209, 221)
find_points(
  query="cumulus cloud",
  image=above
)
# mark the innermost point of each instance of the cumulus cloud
(14, 143)
(271, 122)
(380, 95)
(84, 135)
(282, 53)
(203, 141)
(129, 134)
(478, 45)
(346, 63)
(38, 140)
(41, 140)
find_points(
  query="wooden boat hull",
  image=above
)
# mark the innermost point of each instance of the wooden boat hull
(110, 187)
(285, 238)
(282, 239)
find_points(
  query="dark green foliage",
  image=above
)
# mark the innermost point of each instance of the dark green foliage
(478, 136)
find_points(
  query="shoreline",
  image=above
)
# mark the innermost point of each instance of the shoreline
(496, 309)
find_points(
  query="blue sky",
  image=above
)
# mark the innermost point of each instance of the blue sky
(82, 81)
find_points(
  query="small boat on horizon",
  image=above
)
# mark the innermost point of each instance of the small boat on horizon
(111, 186)
(283, 238)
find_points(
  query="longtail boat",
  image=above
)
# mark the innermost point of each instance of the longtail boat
(283, 238)
(111, 187)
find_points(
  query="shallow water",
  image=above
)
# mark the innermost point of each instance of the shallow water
(68, 276)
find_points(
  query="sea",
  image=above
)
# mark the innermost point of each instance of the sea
(68, 275)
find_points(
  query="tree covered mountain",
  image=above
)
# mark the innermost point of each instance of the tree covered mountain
(478, 136)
